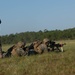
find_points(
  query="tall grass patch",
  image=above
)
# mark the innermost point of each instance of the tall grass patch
(52, 63)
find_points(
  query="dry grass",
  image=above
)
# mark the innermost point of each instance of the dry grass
(53, 63)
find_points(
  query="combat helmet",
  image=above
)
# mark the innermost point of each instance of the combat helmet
(20, 44)
(45, 40)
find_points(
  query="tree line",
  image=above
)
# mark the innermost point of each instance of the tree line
(67, 34)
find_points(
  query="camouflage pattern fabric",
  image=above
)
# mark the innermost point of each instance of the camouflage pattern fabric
(20, 44)
(46, 40)
(18, 49)
(1, 51)
(8, 52)
(41, 47)
(18, 52)
(15, 50)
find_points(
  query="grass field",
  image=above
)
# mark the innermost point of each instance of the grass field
(52, 63)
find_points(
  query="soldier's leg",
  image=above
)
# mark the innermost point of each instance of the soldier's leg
(1, 56)
(52, 48)
(61, 49)
(1, 53)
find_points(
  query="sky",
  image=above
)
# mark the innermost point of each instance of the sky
(34, 15)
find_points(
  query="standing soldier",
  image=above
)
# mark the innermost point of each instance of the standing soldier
(0, 21)
(0, 46)
(0, 50)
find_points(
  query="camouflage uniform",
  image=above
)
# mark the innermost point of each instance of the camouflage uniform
(36, 46)
(56, 46)
(1, 51)
(46, 41)
(61, 47)
(8, 52)
(41, 47)
(15, 50)
(18, 52)
(0, 47)
(18, 49)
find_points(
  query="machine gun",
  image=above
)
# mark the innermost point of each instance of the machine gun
(55, 46)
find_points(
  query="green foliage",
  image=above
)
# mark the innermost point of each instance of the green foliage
(30, 36)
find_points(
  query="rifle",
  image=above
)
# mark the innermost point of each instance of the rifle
(55, 46)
